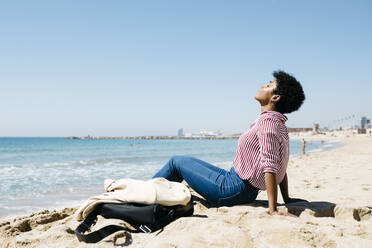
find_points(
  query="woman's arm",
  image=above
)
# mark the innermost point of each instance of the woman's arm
(269, 139)
(272, 191)
(284, 188)
(272, 194)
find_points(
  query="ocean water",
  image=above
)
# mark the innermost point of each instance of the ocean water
(39, 173)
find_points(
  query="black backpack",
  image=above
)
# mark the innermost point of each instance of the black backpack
(144, 218)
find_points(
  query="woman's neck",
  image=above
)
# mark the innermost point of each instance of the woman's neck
(268, 107)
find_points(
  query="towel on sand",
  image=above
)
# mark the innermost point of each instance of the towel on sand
(154, 191)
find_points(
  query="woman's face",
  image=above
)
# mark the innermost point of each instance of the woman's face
(266, 91)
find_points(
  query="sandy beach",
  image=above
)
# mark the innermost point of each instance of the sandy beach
(336, 183)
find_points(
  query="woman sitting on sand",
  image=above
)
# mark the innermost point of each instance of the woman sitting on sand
(261, 158)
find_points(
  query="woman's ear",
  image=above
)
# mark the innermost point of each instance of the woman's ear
(275, 98)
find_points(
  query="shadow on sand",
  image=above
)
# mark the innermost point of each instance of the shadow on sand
(315, 208)
(320, 208)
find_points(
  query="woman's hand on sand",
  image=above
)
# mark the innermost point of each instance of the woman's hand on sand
(283, 214)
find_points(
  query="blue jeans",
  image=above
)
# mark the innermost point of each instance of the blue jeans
(219, 186)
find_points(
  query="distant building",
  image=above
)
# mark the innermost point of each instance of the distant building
(188, 134)
(180, 132)
(204, 133)
(362, 131)
(364, 122)
(210, 133)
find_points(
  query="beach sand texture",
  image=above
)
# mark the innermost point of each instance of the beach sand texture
(337, 183)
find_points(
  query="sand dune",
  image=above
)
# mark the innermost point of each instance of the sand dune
(337, 185)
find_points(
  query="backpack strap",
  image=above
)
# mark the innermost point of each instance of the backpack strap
(102, 233)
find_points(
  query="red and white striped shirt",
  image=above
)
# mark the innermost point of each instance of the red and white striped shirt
(263, 148)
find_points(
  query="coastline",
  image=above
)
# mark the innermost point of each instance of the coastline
(335, 182)
(206, 137)
(32, 198)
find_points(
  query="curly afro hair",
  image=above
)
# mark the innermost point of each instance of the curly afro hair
(291, 93)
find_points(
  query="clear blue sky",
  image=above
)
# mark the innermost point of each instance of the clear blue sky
(151, 67)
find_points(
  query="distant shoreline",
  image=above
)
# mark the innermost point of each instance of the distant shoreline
(153, 137)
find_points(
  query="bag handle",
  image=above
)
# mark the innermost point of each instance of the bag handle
(102, 233)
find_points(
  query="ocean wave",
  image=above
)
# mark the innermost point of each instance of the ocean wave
(332, 141)
(315, 150)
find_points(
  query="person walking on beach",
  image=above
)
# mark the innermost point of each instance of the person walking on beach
(303, 146)
(261, 158)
